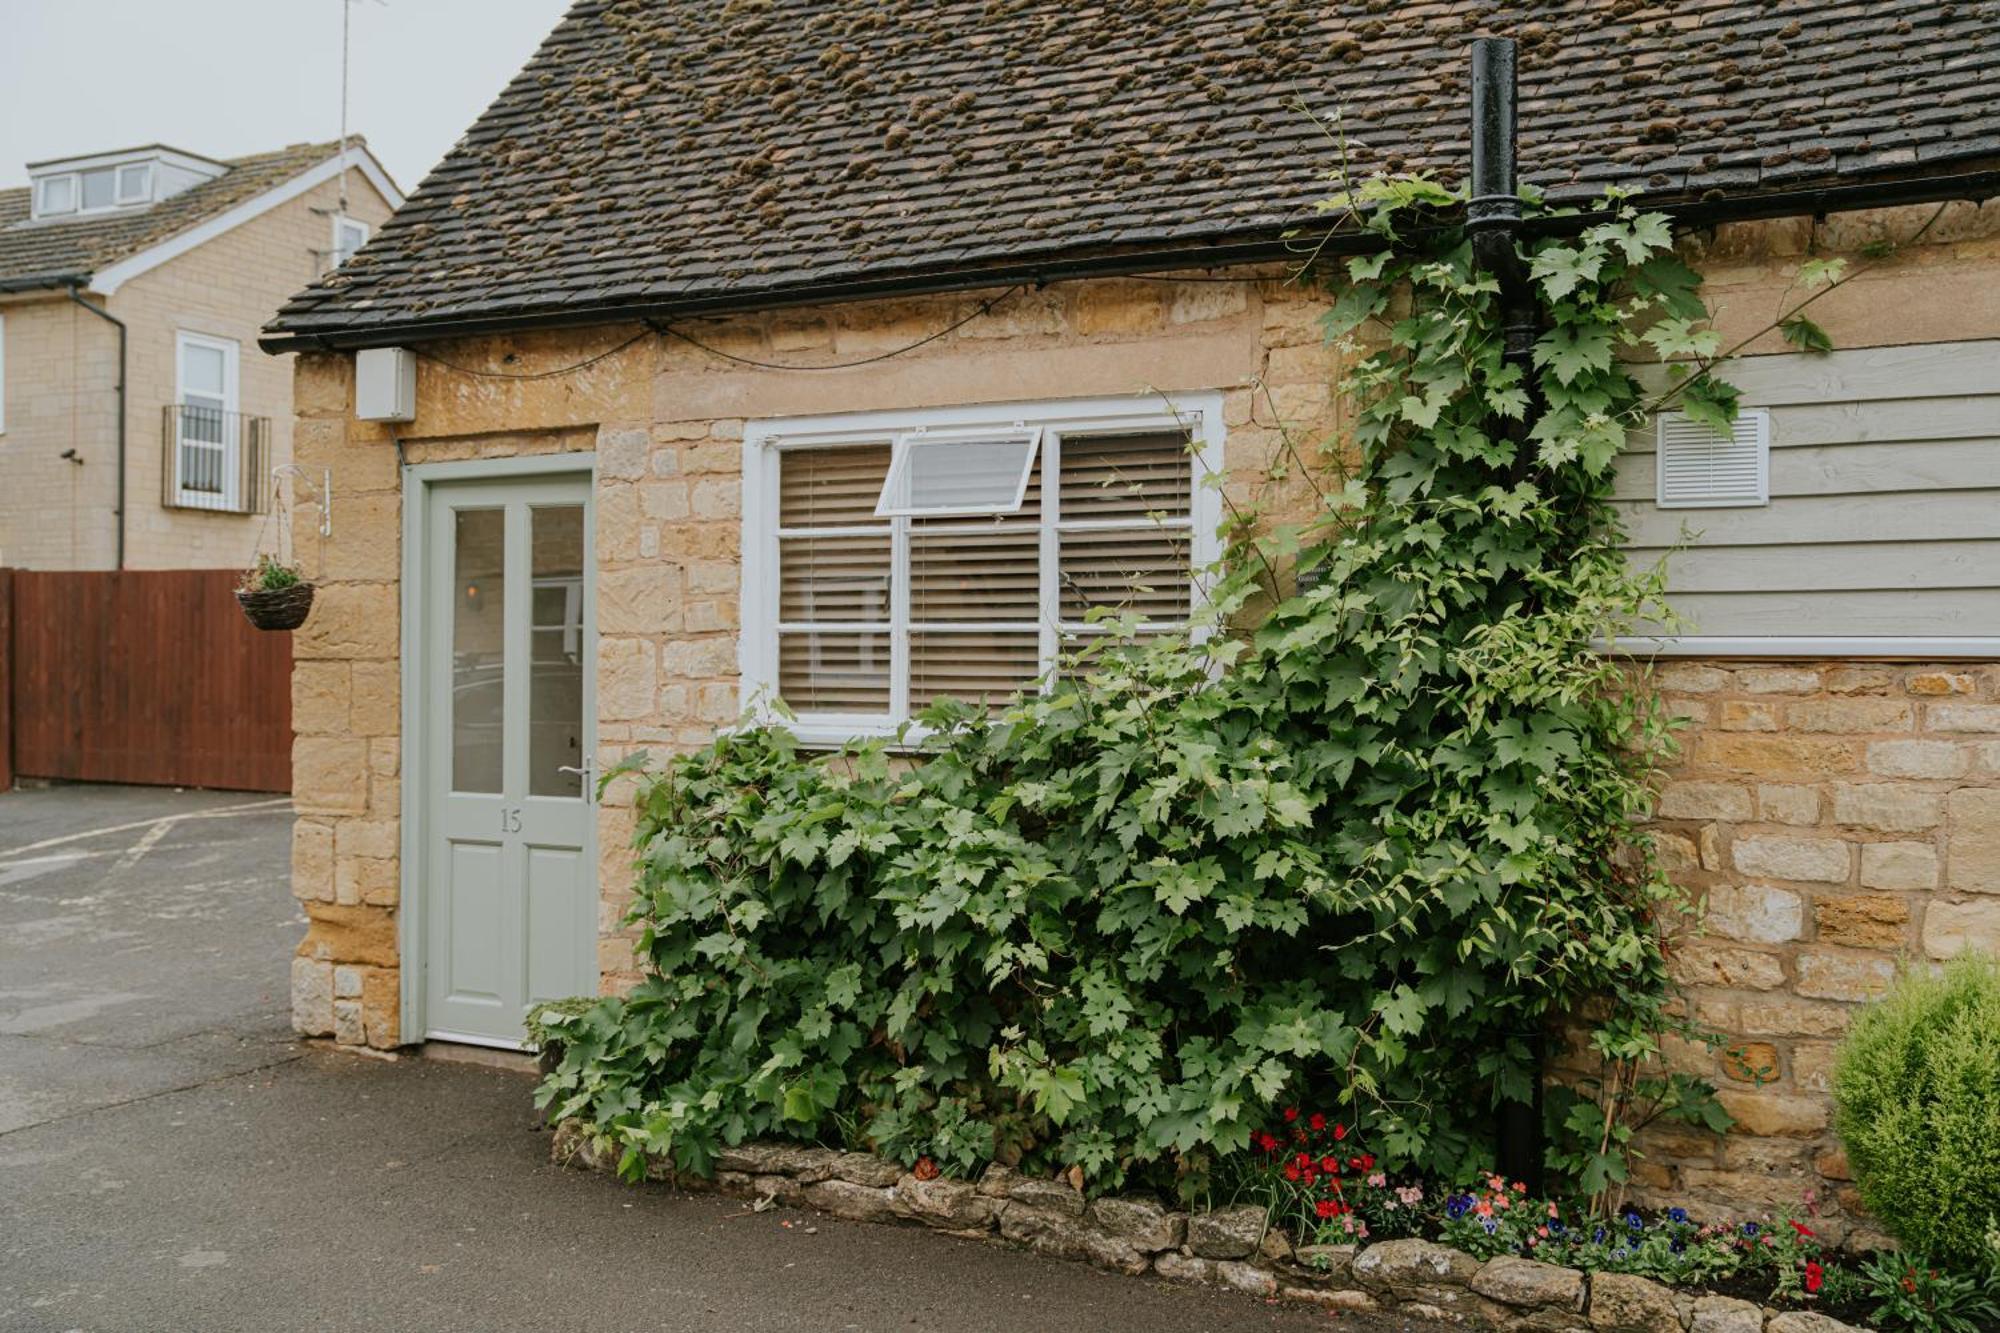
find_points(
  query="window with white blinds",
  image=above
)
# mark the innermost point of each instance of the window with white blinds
(858, 622)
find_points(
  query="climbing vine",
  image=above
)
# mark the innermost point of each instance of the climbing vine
(1370, 839)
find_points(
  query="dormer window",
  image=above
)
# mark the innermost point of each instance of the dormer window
(106, 182)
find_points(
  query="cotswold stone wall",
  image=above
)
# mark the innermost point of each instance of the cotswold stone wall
(1228, 1247)
(1841, 819)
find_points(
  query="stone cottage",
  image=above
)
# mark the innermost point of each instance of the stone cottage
(782, 354)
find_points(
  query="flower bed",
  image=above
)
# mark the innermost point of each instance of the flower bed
(1230, 1247)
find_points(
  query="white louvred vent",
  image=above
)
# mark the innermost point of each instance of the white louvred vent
(1704, 468)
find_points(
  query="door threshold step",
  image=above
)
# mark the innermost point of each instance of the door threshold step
(458, 1052)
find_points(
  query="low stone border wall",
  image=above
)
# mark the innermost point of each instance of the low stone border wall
(1229, 1248)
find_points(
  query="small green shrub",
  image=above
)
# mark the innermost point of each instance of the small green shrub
(1917, 1093)
(270, 574)
(1910, 1294)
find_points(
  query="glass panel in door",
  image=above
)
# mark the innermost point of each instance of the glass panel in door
(478, 649)
(555, 652)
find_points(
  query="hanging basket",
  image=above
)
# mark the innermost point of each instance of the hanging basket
(276, 608)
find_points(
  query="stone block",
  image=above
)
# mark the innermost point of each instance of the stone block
(1859, 680)
(844, 1198)
(1935, 683)
(1747, 715)
(1708, 963)
(1842, 976)
(1529, 1285)
(1808, 1321)
(1851, 715)
(1358, 1302)
(312, 860)
(1812, 1064)
(1705, 800)
(1887, 806)
(666, 501)
(350, 620)
(1113, 308)
(1774, 1114)
(329, 775)
(347, 983)
(1952, 928)
(347, 1026)
(1751, 1062)
(1778, 680)
(1393, 1265)
(382, 1007)
(312, 997)
(1906, 866)
(951, 1205)
(1754, 912)
(1813, 860)
(622, 452)
(1972, 849)
(320, 695)
(1972, 718)
(377, 699)
(1725, 1314)
(1245, 1277)
(641, 601)
(1762, 756)
(1863, 920)
(1054, 1196)
(1622, 1303)
(1690, 678)
(1918, 759)
(1779, 1017)
(1140, 1223)
(366, 837)
(339, 933)
(1780, 803)
(626, 678)
(1227, 1233)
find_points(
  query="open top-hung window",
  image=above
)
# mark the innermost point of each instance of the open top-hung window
(896, 561)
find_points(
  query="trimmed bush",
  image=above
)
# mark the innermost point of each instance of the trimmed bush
(1917, 1093)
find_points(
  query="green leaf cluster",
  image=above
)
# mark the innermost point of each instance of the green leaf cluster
(1365, 838)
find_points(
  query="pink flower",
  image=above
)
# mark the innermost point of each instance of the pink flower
(1377, 1181)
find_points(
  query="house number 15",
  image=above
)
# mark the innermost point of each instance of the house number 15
(510, 820)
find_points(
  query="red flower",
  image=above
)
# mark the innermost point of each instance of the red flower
(1330, 1165)
(1291, 1114)
(1815, 1277)
(1303, 1160)
(1318, 1121)
(1367, 1161)
(1292, 1172)
(1804, 1230)
(1339, 1133)
(925, 1169)
(1327, 1208)
(1267, 1142)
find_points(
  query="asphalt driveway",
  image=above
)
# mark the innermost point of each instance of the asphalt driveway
(171, 1159)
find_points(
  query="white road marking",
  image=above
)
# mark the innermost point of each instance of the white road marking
(219, 812)
(147, 841)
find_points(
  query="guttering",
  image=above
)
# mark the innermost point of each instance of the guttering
(42, 282)
(119, 324)
(1708, 209)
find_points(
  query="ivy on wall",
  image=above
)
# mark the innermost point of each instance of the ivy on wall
(1367, 841)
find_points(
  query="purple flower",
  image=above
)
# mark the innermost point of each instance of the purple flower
(1677, 1214)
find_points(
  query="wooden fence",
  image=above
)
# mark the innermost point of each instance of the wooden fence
(143, 676)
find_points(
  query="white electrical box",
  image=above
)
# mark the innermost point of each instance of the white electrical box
(385, 384)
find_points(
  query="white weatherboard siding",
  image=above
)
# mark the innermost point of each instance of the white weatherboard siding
(1882, 535)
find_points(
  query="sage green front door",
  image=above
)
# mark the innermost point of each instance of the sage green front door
(508, 885)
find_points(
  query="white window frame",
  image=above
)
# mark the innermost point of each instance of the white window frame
(42, 184)
(903, 461)
(765, 442)
(232, 438)
(144, 195)
(336, 253)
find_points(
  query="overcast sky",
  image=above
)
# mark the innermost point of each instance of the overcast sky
(230, 77)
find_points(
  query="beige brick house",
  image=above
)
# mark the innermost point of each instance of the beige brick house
(700, 332)
(138, 425)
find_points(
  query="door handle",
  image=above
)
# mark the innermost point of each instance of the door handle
(582, 771)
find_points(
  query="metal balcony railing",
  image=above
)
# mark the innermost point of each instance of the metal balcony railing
(214, 460)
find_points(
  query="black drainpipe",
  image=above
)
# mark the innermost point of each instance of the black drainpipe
(106, 315)
(1493, 218)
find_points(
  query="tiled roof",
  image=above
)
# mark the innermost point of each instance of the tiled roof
(664, 152)
(79, 246)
